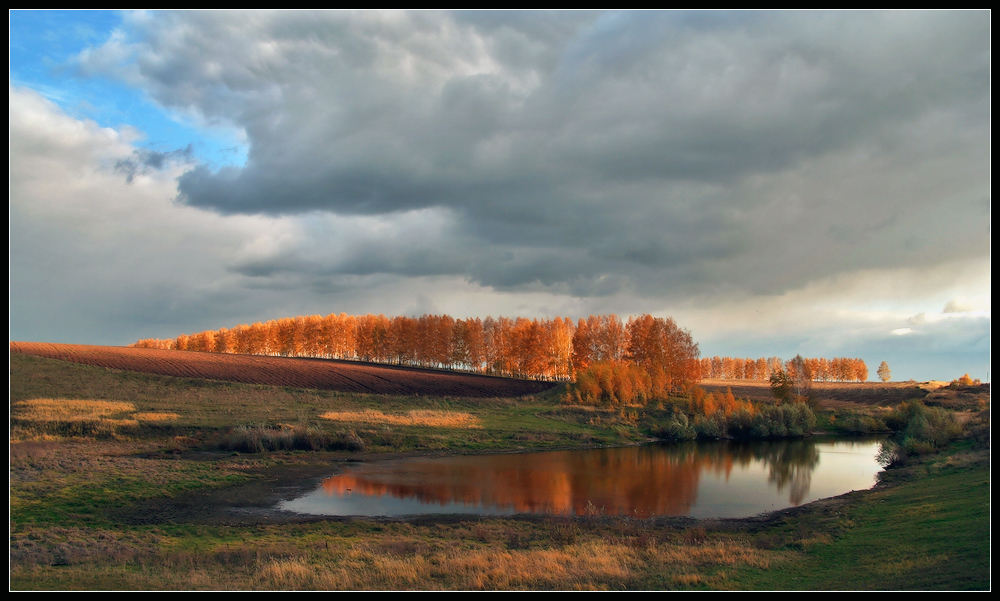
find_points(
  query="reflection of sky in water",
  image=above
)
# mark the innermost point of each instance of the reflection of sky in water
(699, 480)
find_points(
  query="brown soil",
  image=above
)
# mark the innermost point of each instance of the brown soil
(319, 374)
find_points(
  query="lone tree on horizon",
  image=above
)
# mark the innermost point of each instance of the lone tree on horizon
(883, 372)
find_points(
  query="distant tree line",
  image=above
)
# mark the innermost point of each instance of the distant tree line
(838, 369)
(610, 361)
(552, 349)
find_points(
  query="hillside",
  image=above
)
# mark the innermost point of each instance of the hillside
(319, 374)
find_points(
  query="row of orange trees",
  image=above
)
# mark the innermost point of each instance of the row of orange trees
(609, 360)
(554, 348)
(838, 369)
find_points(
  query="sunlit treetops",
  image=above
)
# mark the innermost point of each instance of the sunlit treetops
(838, 369)
(652, 353)
(554, 349)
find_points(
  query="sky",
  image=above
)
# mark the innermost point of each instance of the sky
(779, 183)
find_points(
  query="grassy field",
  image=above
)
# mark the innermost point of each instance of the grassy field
(126, 488)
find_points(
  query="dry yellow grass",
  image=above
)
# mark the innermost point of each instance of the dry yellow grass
(592, 565)
(717, 554)
(40, 419)
(429, 418)
(45, 410)
(155, 417)
(932, 385)
(285, 574)
(52, 410)
(687, 580)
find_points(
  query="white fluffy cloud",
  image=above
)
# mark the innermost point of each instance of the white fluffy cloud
(98, 256)
(94, 256)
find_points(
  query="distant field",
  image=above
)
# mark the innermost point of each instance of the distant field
(831, 395)
(318, 374)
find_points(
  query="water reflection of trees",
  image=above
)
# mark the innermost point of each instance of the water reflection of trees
(790, 463)
(634, 481)
(642, 481)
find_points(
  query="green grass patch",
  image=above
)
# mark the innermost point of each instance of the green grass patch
(929, 532)
(59, 490)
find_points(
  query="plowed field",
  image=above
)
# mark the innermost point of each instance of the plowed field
(321, 374)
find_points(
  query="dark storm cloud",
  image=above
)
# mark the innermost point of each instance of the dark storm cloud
(413, 261)
(650, 150)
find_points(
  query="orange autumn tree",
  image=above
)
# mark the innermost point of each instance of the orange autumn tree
(658, 358)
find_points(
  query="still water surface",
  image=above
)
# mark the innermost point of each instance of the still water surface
(714, 479)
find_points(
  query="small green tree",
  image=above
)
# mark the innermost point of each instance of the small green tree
(781, 385)
(883, 372)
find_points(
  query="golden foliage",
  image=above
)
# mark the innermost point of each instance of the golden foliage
(547, 349)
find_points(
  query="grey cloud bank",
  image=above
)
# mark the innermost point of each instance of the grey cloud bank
(633, 161)
(650, 145)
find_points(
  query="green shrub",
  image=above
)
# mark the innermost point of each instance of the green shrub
(747, 421)
(919, 430)
(676, 428)
(861, 424)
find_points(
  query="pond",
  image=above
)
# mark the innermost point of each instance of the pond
(697, 479)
